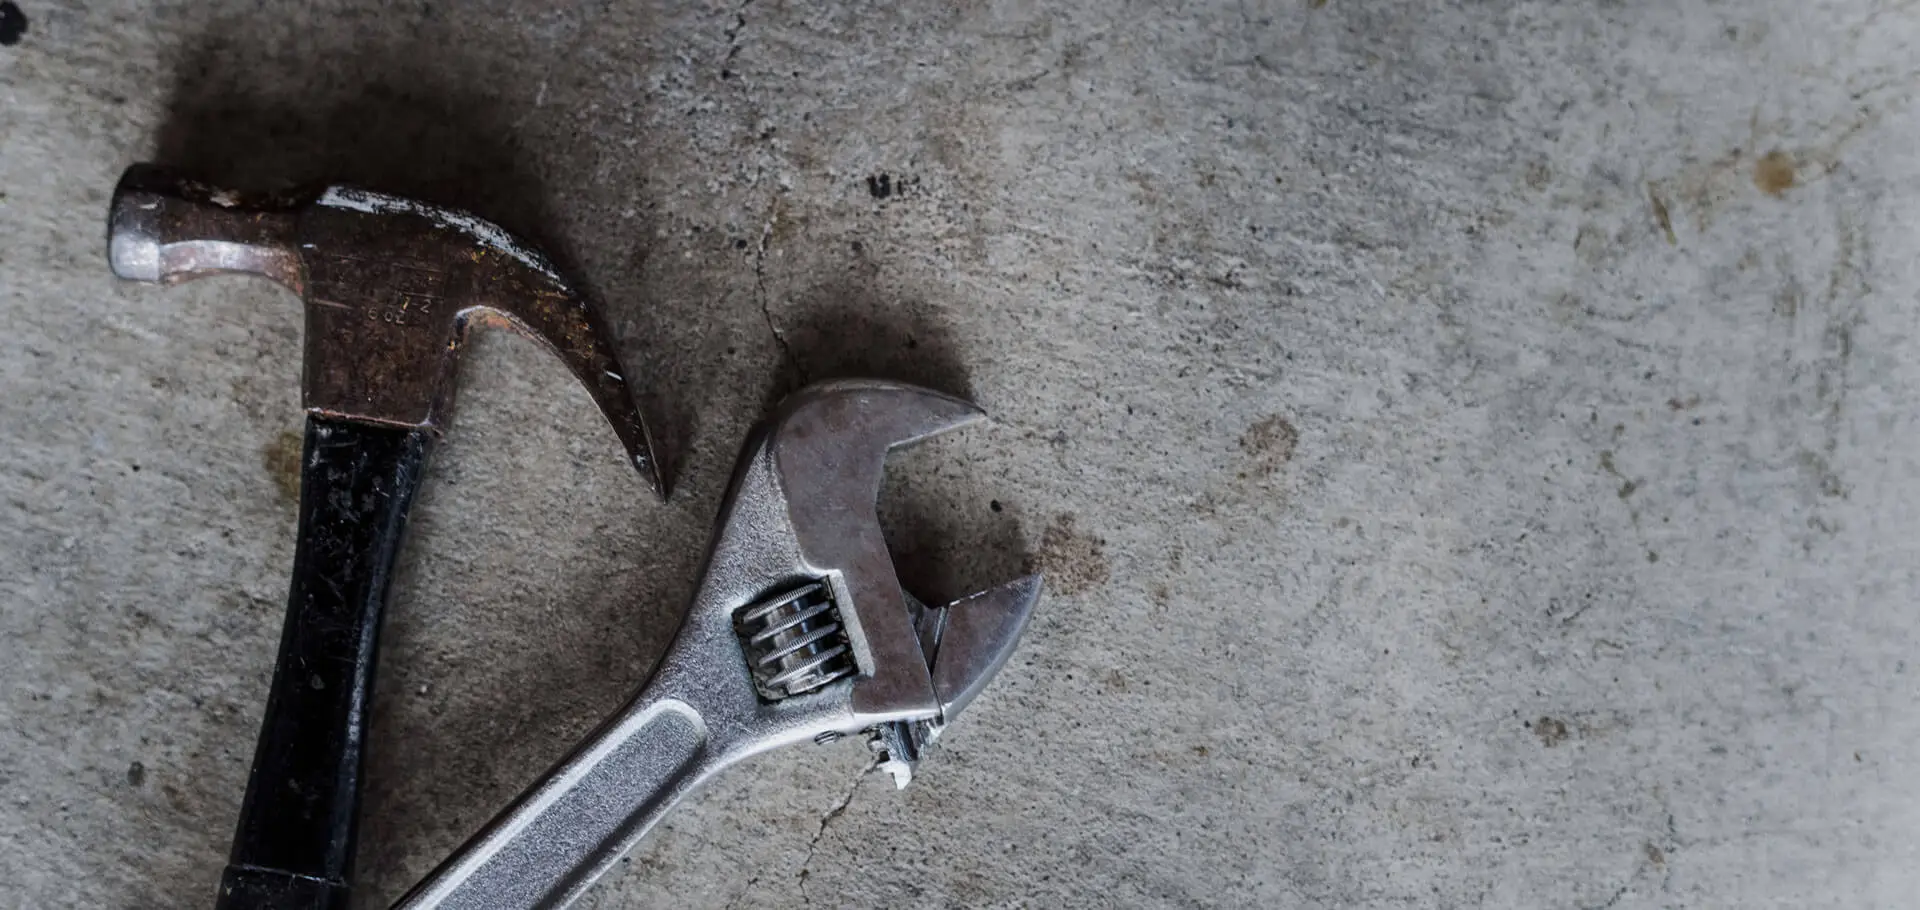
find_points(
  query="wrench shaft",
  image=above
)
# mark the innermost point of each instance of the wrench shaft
(577, 822)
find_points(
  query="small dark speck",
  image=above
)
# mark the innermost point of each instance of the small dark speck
(740, 243)
(912, 342)
(136, 774)
(726, 74)
(996, 506)
(136, 469)
(880, 186)
(13, 23)
(859, 247)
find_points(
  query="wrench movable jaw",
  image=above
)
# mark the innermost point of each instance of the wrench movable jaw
(973, 637)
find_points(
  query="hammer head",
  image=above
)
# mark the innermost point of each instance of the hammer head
(391, 287)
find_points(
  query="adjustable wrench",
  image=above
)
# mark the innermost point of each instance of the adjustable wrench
(799, 631)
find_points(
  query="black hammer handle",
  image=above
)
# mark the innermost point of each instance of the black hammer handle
(294, 846)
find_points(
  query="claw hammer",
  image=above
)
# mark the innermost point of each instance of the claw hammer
(391, 286)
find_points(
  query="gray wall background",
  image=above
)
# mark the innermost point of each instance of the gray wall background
(1470, 443)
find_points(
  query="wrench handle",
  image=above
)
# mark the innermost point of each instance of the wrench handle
(574, 824)
(293, 847)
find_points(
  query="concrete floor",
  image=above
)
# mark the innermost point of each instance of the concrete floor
(1471, 444)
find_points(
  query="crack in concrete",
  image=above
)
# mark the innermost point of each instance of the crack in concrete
(766, 305)
(1611, 901)
(733, 34)
(742, 895)
(826, 819)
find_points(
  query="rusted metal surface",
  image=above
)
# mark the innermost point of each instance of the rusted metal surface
(391, 287)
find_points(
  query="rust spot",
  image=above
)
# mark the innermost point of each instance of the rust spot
(1073, 561)
(281, 459)
(1552, 732)
(1270, 443)
(1661, 216)
(1774, 173)
(1538, 175)
(1656, 856)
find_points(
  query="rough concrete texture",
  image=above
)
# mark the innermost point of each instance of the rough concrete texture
(1471, 444)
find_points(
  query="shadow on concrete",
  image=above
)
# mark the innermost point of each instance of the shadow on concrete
(412, 127)
(426, 122)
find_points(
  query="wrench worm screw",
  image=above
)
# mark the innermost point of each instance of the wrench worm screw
(794, 642)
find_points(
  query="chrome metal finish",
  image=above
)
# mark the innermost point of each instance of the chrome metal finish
(752, 668)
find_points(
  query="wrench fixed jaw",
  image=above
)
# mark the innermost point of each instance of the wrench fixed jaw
(829, 444)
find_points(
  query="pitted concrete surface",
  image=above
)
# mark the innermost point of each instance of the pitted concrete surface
(1470, 444)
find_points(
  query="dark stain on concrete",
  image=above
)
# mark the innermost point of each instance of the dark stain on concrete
(1552, 732)
(13, 24)
(1073, 561)
(1162, 596)
(1269, 443)
(1537, 175)
(1774, 173)
(886, 186)
(281, 459)
(1628, 486)
(1661, 215)
(1822, 476)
